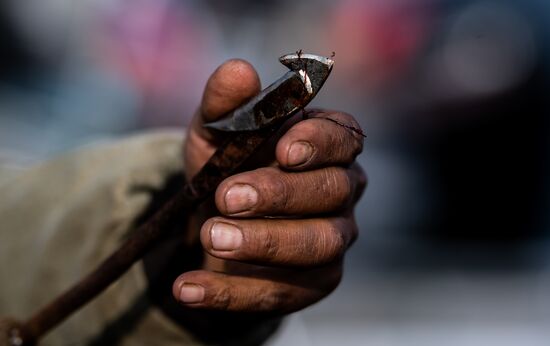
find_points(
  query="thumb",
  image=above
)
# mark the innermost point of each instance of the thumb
(232, 84)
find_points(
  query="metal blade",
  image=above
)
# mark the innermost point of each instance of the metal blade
(286, 96)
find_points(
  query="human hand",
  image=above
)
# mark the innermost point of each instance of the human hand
(284, 229)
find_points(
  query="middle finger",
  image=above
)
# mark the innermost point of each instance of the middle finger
(271, 191)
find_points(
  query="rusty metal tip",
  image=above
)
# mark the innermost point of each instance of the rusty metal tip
(298, 55)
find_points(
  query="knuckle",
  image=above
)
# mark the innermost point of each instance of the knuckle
(347, 182)
(277, 187)
(344, 185)
(331, 187)
(331, 244)
(336, 244)
(222, 298)
(270, 245)
(270, 301)
(281, 192)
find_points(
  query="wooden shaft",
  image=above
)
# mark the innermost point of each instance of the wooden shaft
(225, 162)
(107, 272)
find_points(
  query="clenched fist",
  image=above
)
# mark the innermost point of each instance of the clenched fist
(275, 241)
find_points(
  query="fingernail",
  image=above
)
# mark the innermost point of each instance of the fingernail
(240, 197)
(225, 237)
(191, 293)
(299, 153)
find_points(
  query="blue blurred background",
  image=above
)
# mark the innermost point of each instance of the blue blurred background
(452, 94)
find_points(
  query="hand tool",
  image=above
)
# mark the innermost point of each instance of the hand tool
(248, 127)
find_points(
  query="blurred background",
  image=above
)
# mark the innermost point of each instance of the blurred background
(452, 94)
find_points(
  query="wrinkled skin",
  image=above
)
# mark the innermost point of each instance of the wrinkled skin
(278, 237)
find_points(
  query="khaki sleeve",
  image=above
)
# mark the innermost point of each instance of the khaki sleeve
(61, 218)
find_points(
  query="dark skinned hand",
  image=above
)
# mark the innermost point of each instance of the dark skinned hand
(279, 243)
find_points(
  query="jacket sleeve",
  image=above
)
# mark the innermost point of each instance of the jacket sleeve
(59, 219)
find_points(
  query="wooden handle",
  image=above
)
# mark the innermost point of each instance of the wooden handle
(225, 162)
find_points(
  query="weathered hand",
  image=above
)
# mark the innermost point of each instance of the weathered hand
(284, 229)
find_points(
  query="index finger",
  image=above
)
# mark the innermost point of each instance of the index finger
(326, 138)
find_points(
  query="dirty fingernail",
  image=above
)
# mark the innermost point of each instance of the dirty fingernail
(240, 197)
(191, 293)
(299, 153)
(225, 237)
